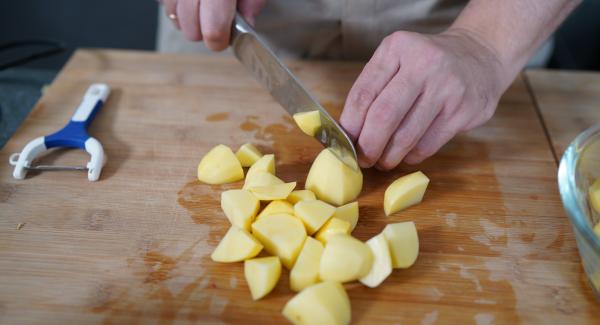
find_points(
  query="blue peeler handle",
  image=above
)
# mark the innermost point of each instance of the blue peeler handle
(74, 134)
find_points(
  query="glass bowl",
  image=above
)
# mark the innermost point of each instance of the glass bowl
(579, 167)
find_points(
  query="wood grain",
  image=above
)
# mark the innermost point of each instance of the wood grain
(134, 247)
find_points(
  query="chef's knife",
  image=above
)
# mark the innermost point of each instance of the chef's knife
(286, 89)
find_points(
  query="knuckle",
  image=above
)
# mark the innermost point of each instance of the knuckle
(361, 99)
(387, 164)
(383, 111)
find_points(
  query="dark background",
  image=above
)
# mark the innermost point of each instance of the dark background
(132, 24)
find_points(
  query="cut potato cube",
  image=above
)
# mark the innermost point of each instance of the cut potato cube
(282, 235)
(248, 154)
(404, 192)
(308, 122)
(403, 242)
(264, 164)
(332, 227)
(277, 207)
(333, 181)
(306, 269)
(220, 166)
(382, 262)
(237, 245)
(262, 275)
(325, 303)
(344, 259)
(240, 207)
(348, 212)
(273, 192)
(261, 178)
(594, 194)
(299, 195)
(314, 214)
(597, 230)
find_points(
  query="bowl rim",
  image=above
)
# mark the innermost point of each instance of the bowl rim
(568, 187)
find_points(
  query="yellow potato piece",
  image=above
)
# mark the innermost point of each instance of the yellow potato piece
(403, 242)
(282, 235)
(237, 245)
(299, 195)
(597, 230)
(273, 192)
(220, 166)
(325, 303)
(240, 207)
(331, 228)
(248, 154)
(348, 212)
(382, 262)
(261, 178)
(306, 269)
(264, 164)
(308, 122)
(262, 275)
(594, 194)
(344, 259)
(314, 214)
(333, 181)
(404, 192)
(277, 207)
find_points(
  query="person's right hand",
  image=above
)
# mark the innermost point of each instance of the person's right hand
(210, 20)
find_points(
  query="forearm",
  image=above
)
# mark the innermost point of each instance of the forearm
(513, 29)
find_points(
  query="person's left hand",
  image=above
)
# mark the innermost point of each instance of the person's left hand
(417, 92)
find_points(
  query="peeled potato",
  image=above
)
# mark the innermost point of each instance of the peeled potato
(220, 166)
(265, 164)
(306, 269)
(325, 303)
(237, 245)
(382, 262)
(261, 178)
(313, 213)
(597, 229)
(299, 195)
(282, 235)
(331, 228)
(344, 259)
(594, 193)
(240, 207)
(333, 181)
(262, 275)
(348, 212)
(308, 122)
(273, 192)
(404, 192)
(275, 207)
(248, 154)
(403, 242)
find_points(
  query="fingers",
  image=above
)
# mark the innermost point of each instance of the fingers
(216, 17)
(438, 134)
(188, 15)
(171, 11)
(250, 8)
(375, 76)
(384, 116)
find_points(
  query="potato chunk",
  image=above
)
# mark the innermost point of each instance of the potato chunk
(273, 192)
(325, 303)
(306, 270)
(220, 166)
(404, 192)
(261, 178)
(331, 228)
(282, 235)
(248, 154)
(344, 259)
(333, 181)
(382, 263)
(403, 242)
(594, 194)
(348, 212)
(262, 275)
(308, 122)
(275, 207)
(299, 195)
(237, 245)
(264, 164)
(240, 207)
(313, 213)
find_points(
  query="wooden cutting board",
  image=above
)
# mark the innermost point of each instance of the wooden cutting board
(495, 245)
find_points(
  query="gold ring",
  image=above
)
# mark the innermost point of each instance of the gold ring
(173, 16)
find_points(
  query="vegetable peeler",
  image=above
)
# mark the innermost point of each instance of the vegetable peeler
(73, 135)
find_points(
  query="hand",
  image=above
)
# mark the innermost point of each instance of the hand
(417, 92)
(210, 20)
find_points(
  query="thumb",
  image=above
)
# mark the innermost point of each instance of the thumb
(250, 8)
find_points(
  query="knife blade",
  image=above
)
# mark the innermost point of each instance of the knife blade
(286, 89)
